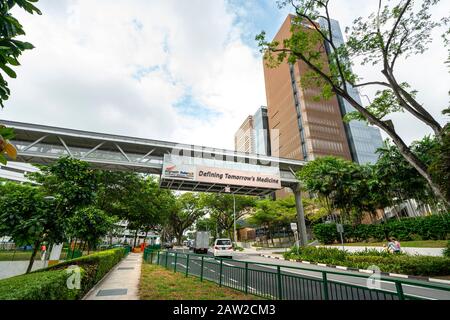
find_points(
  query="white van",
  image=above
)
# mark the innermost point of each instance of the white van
(223, 248)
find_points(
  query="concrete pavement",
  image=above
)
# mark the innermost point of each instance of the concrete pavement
(121, 283)
(14, 268)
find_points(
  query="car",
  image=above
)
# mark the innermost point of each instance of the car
(223, 248)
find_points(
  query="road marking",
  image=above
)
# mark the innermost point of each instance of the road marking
(233, 280)
(227, 264)
(398, 275)
(439, 280)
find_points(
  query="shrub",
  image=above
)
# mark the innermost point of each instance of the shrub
(326, 232)
(95, 265)
(446, 251)
(50, 285)
(387, 262)
(434, 227)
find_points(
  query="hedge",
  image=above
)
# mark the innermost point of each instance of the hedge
(387, 262)
(51, 283)
(96, 265)
(434, 227)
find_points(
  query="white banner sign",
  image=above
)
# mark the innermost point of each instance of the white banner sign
(221, 176)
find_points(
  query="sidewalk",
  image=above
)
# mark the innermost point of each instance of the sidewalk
(122, 282)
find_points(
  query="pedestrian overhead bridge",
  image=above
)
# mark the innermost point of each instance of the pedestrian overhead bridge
(181, 167)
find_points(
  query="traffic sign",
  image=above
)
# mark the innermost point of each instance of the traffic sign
(340, 228)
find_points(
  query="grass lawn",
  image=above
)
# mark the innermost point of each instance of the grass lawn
(406, 244)
(18, 256)
(158, 283)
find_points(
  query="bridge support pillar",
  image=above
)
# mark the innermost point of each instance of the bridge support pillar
(300, 215)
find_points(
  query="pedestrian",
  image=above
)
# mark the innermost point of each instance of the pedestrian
(43, 252)
(393, 245)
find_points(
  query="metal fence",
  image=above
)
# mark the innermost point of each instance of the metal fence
(292, 283)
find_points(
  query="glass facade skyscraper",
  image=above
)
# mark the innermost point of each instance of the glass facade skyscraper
(261, 129)
(363, 139)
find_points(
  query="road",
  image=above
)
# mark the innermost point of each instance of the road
(296, 284)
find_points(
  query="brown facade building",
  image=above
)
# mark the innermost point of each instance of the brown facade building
(302, 127)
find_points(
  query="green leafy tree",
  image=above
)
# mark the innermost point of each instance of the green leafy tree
(28, 218)
(184, 214)
(149, 208)
(336, 181)
(71, 182)
(398, 29)
(89, 224)
(221, 207)
(440, 165)
(265, 214)
(207, 224)
(10, 50)
(400, 180)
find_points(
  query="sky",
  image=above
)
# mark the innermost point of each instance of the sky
(175, 70)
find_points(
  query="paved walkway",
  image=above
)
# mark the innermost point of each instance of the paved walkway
(14, 268)
(122, 283)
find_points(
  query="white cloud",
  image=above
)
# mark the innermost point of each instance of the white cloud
(122, 67)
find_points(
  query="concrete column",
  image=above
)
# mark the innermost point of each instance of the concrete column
(300, 215)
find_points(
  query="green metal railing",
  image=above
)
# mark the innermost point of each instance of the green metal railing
(273, 281)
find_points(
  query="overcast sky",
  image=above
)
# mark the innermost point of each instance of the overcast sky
(183, 71)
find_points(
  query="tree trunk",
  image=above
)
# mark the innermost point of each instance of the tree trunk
(135, 237)
(37, 243)
(179, 237)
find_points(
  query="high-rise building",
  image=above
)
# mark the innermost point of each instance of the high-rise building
(244, 138)
(262, 136)
(363, 139)
(308, 128)
(253, 134)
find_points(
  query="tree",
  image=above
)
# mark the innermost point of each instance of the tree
(187, 210)
(10, 50)
(440, 165)
(89, 224)
(6, 148)
(207, 224)
(394, 31)
(265, 214)
(28, 218)
(336, 181)
(221, 208)
(71, 182)
(401, 181)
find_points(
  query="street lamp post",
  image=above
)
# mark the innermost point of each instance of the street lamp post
(228, 190)
(234, 218)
